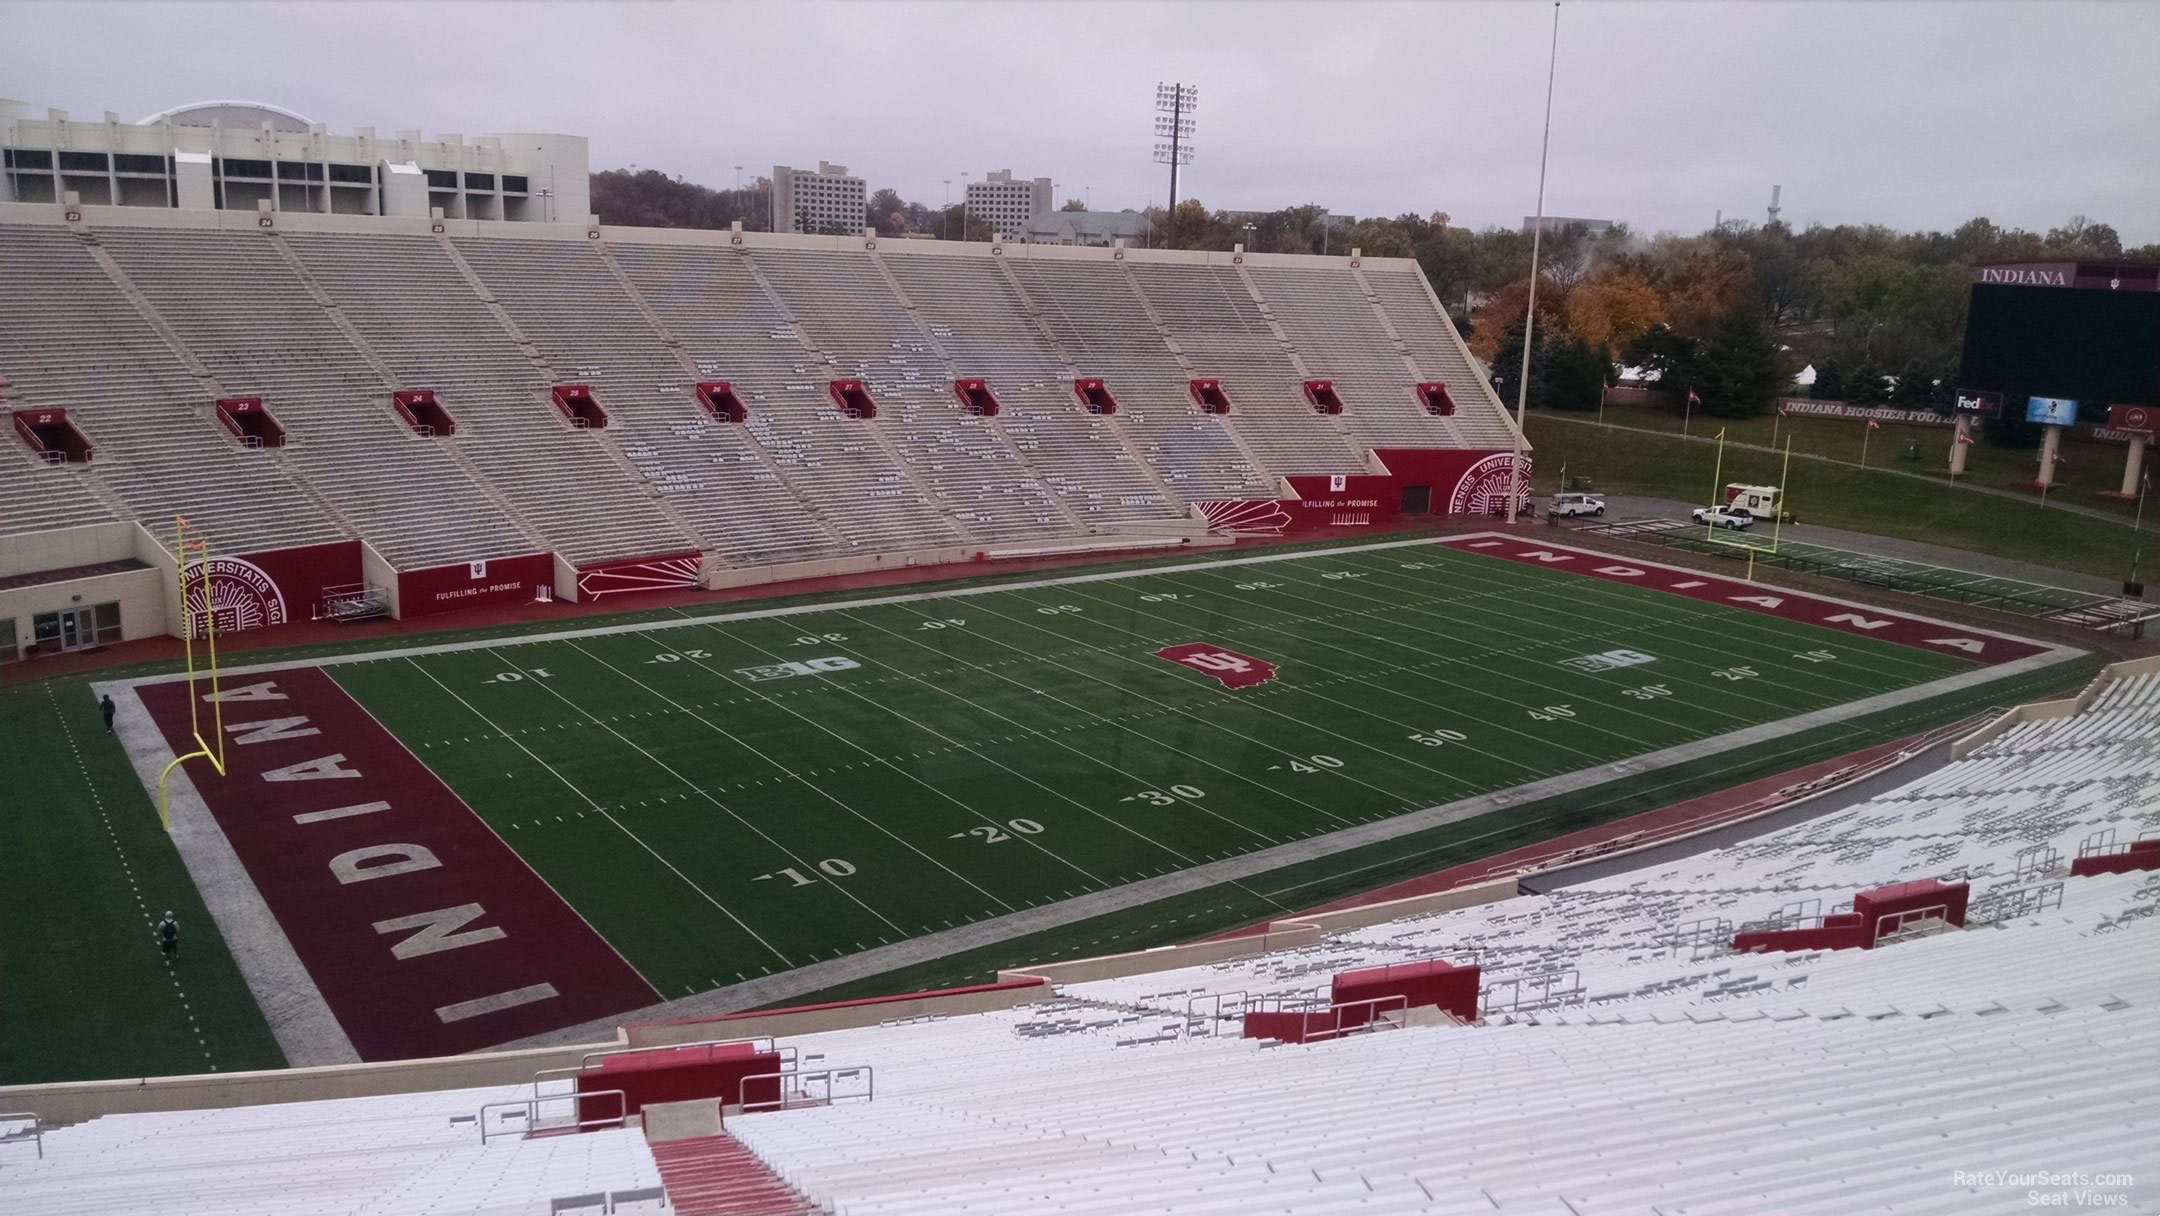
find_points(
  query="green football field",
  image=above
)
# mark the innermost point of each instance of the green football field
(745, 794)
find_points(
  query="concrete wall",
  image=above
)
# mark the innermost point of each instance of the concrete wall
(77, 1101)
(844, 1016)
(60, 548)
(141, 594)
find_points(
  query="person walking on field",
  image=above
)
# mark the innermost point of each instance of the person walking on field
(108, 709)
(168, 936)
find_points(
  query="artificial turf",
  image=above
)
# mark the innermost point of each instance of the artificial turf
(718, 819)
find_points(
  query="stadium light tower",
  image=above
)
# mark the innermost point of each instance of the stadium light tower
(1537, 232)
(1175, 123)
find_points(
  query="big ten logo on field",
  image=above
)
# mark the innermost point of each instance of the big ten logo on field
(808, 667)
(1233, 669)
(1609, 660)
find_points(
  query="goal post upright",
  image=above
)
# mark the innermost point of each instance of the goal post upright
(213, 748)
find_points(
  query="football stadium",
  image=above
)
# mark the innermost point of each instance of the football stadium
(536, 715)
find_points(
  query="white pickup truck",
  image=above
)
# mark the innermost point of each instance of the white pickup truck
(1724, 516)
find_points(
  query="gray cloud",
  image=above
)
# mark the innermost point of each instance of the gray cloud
(1916, 115)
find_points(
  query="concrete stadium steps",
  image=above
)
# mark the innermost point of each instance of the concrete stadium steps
(847, 311)
(1225, 337)
(591, 332)
(426, 323)
(1090, 309)
(983, 325)
(71, 339)
(240, 309)
(717, 1176)
(1440, 355)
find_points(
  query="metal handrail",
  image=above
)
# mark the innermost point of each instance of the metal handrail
(35, 1132)
(825, 1075)
(1911, 923)
(786, 1054)
(531, 1107)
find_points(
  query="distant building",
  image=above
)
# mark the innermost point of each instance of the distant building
(1007, 203)
(1560, 223)
(828, 200)
(1101, 228)
(235, 155)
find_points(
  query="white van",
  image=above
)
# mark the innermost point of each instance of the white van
(1565, 506)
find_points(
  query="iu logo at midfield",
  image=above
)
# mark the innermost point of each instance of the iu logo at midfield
(1233, 669)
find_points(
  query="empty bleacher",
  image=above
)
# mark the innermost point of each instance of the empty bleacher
(1221, 330)
(1440, 355)
(405, 1154)
(424, 320)
(1092, 312)
(324, 322)
(70, 339)
(975, 314)
(240, 309)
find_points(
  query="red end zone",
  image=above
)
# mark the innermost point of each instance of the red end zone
(425, 933)
(1990, 648)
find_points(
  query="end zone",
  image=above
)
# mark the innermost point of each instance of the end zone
(425, 934)
(1919, 632)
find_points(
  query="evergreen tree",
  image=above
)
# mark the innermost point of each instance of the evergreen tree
(1507, 367)
(1915, 387)
(1830, 384)
(1867, 386)
(1575, 373)
(1739, 374)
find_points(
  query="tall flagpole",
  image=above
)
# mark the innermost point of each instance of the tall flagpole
(1537, 234)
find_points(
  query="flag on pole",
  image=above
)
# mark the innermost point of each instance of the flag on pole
(1963, 438)
(1692, 399)
(1873, 425)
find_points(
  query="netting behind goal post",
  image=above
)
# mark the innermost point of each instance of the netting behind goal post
(198, 611)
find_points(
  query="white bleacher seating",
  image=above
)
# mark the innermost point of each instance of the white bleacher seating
(240, 309)
(387, 1156)
(796, 482)
(591, 332)
(973, 312)
(849, 313)
(70, 339)
(424, 320)
(1666, 1074)
(1091, 311)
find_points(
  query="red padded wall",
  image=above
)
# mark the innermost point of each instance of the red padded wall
(683, 1075)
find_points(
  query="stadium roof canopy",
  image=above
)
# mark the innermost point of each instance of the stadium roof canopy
(232, 113)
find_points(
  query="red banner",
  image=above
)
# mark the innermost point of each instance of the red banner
(502, 580)
(258, 590)
(1438, 481)
(675, 573)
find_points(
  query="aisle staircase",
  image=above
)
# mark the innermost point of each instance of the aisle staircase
(716, 1176)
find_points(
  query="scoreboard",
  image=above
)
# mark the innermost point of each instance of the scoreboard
(2076, 332)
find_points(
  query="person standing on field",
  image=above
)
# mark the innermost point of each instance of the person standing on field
(168, 936)
(108, 709)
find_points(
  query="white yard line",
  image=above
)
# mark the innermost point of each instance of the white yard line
(603, 812)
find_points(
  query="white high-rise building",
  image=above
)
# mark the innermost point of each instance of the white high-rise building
(1007, 203)
(829, 200)
(238, 155)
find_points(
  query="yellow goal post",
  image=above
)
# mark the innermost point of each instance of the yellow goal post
(192, 614)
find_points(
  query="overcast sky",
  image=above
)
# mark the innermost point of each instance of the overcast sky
(1917, 115)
